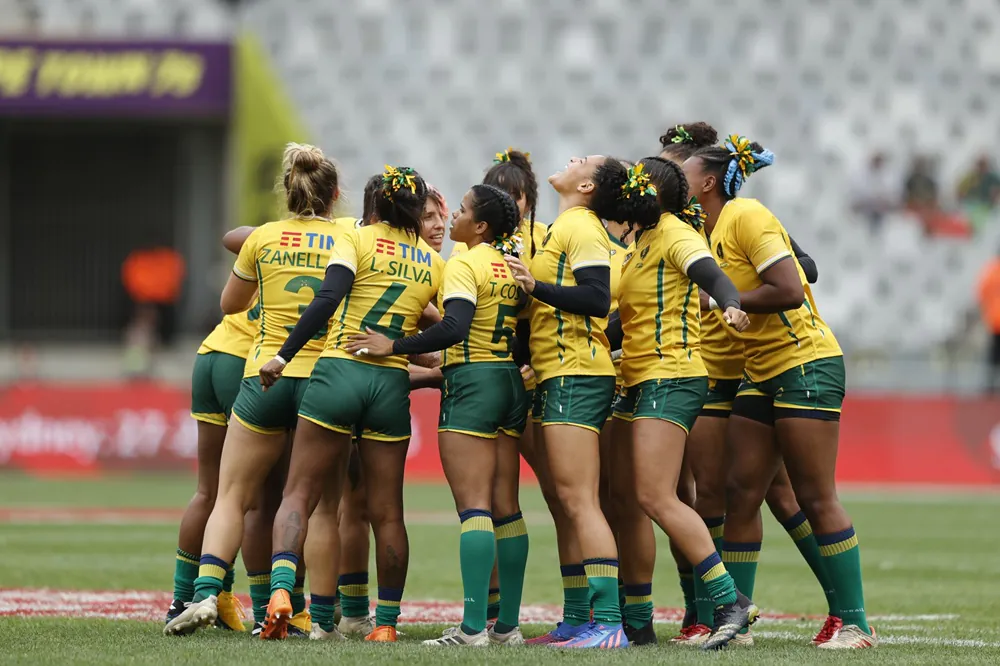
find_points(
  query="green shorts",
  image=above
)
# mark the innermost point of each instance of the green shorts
(215, 383)
(675, 400)
(579, 400)
(272, 411)
(814, 390)
(354, 397)
(483, 399)
(721, 393)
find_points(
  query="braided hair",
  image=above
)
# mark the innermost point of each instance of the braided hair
(733, 162)
(623, 194)
(512, 172)
(373, 188)
(673, 191)
(682, 141)
(499, 211)
(401, 198)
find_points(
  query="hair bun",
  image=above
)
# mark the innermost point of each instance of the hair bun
(303, 157)
(698, 135)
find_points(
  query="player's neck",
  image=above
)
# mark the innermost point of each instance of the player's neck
(712, 210)
(571, 200)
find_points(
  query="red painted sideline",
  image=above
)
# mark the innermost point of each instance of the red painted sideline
(48, 427)
(152, 606)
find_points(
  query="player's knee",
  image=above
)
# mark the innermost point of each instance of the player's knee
(743, 496)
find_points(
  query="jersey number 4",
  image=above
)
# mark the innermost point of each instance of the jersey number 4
(374, 317)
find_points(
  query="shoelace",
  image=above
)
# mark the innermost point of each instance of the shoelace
(241, 612)
(830, 628)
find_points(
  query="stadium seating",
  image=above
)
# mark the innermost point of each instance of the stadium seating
(442, 85)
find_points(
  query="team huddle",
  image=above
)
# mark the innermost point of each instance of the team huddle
(655, 355)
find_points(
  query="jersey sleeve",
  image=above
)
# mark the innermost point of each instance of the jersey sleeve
(684, 246)
(459, 281)
(347, 251)
(245, 267)
(760, 236)
(587, 246)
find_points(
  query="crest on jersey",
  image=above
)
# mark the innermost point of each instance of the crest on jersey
(545, 241)
(645, 251)
(718, 250)
(628, 258)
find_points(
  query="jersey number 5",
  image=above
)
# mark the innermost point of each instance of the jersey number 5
(372, 320)
(501, 331)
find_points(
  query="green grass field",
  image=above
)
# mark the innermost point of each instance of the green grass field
(932, 577)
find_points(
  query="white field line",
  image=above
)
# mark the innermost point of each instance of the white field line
(895, 640)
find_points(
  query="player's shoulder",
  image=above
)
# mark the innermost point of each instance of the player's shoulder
(752, 210)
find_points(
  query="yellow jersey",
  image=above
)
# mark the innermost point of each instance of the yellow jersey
(287, 260)
(528, 240)
(481, 277)
(395, 277)
(562, 343)
(618, 250)
(721, 353)
(747, 240)
(233, 335)
(659, 304)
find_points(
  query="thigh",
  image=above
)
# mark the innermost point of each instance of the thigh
(211, 438)
(573, 457)
(753, 460)
(383, 464)
(317, 455)
(247, 457)
(470, 465)
(706, 455)
(658, 455)
(809, 449)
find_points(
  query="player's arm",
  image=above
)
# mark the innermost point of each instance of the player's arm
(429, 317)
(234, 240)
(425, 377)
(336, 283)
(451, 330)
(590, 297)
(241, 288)
(761, 238)
(807, 263)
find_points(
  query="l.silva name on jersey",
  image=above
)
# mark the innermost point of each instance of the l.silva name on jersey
(404, 266)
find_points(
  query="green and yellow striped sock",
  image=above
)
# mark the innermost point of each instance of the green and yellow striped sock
(260, 593)
(602, 577)
(321, 610)
(801, 533)
(718, 582)
(387, 610)
(185, 571)
(703, 602)
(353, 590)
(639, 605)
(686, 578)
(283, 567)
(210, 574)
(576, 594)
(512, 560)
(477, 548)
(741, 562)
(298, 595)
(493, 607)
(842, 560)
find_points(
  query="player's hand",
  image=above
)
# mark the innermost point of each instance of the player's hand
(705, 303)
(736, 318)
(521, 273)
(373, 344)
(270, 372)
(527, 374)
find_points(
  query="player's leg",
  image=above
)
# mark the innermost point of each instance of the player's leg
(355, 545)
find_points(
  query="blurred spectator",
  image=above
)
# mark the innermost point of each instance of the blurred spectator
(989, 301)
(153, 278)
(921, 196)
(979, 190)
(874, 195)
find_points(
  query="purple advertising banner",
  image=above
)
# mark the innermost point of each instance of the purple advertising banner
(134, 79)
